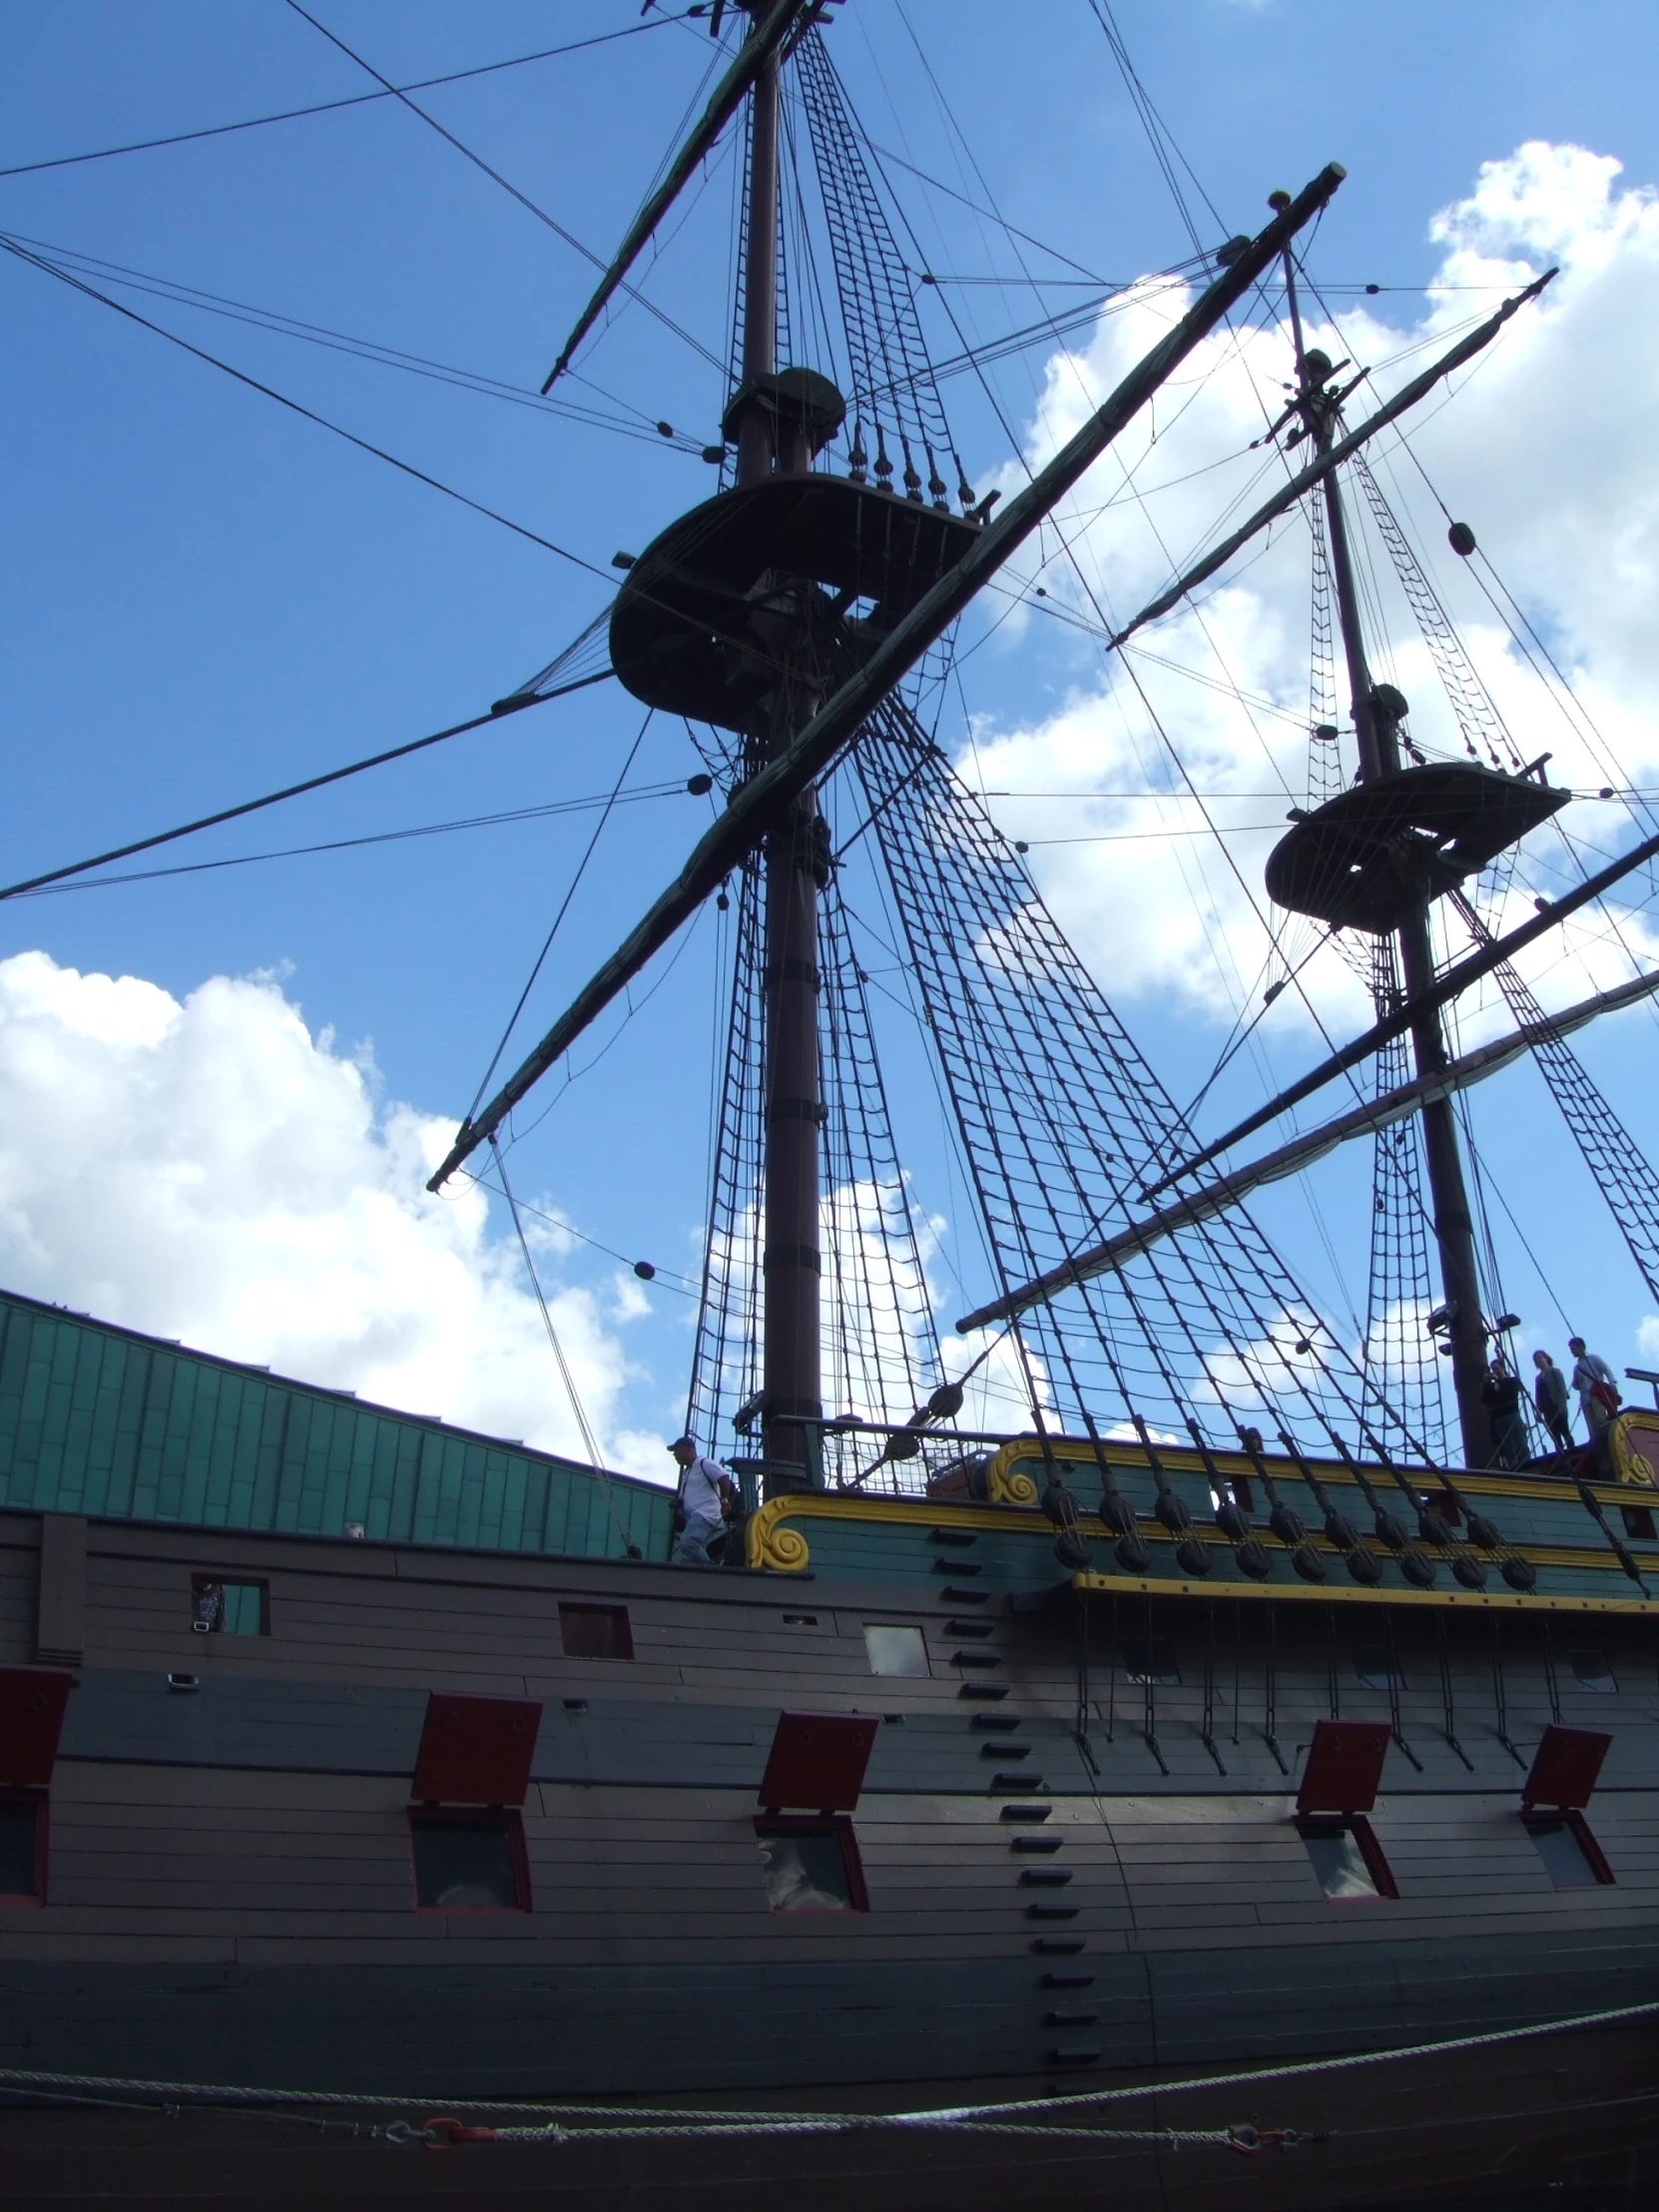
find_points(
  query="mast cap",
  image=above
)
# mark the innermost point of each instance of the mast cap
(799, 399)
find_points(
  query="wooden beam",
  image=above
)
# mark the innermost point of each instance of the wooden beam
(1454, 982)
(752, 55)
(1231, 1187)
(1405, 399)
(757, 802)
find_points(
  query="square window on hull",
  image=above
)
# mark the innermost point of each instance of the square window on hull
(894, 1650)
(1346, 1859)
(22, 1846)
(1591, 1671)
(812, 1866)
(596, 1632)
(1376, 1668)
(1571, 1856)
(220, 1608)
(1151, 1661)
(468, 1861)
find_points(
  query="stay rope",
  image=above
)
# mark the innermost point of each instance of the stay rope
(631, 1550)
(660, 2122)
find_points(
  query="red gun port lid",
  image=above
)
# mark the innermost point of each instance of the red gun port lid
(1565, 1766)
(32, 1701)
(817, 1761)
(475, 1750)
(1345, 1767)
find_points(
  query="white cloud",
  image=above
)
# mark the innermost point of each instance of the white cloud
(1546, 449)
(210, 1170)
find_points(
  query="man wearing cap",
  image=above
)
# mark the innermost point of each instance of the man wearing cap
(701, 1502)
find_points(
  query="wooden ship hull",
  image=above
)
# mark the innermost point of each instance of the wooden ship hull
(1080, 1859)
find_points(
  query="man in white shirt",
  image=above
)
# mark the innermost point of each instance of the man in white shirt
(1593, 1379)
(699, 1500)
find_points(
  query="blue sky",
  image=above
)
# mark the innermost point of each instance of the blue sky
(208, 596)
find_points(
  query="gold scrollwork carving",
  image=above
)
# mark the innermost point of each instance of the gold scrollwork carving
(1003, 1486)
(1635, 1441)
(769, 1544)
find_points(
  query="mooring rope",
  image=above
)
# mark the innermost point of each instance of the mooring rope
(635, 2123)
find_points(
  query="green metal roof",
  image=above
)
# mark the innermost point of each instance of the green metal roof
(99, 1420)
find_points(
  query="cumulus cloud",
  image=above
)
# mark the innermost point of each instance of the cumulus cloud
(1546, 449)
(210, 1169)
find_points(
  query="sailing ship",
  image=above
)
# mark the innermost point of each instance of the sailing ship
(1216, 1780)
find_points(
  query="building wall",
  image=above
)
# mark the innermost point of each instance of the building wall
(97, 1419)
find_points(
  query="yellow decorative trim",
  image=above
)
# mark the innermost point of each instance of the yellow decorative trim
(1501, 1600)
(1630, 1464)
(763, 1537)
(1122, 1451)
(784, 1550)
(1005, 1489)
(767, 1545)
(998, 1467)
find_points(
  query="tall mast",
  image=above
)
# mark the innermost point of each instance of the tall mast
(790, 1263)
(1377, 711)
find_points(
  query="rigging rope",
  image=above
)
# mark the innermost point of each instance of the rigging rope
(1061, 1120)
(564, 909)
(692, 2122)
(294, 790)
(495, 177)
(1618, 1166)
(327, 107)
(629, 1549)
(1401, 1361)
(309, 414)
(646, 429)
(553, 808)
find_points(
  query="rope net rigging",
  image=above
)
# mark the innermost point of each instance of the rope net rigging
(1621, 1171)
(1057, 1119)
(1401, 1361)
(1062, 1123)
(881, 1346)
(891, 379)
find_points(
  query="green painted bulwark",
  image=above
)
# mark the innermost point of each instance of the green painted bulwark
(102, 1421)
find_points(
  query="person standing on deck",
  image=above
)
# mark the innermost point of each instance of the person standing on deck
(704, 1486)
(1500, 1394)
(1592, 1379)
(1549, 1396)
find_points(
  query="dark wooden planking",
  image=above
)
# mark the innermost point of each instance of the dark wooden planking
(657, 2023)
(237, 1721)
(952, 1866)
(239, 1717)
(61, 1591)
(667, 2025)
(18, 1570)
